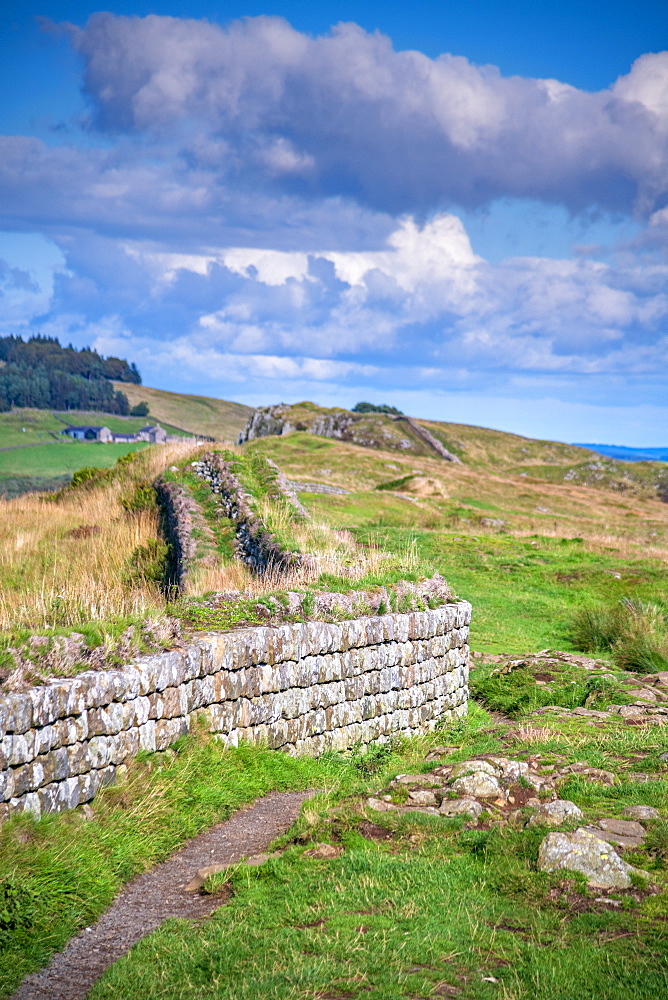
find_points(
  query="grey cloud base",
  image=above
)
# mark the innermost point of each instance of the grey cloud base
(345, 113)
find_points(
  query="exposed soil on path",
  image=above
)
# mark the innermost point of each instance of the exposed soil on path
(159, 894)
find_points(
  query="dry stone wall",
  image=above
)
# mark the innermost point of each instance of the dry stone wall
(256, 546)
(301, 687)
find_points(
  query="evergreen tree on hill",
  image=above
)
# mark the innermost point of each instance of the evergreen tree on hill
(40, 373)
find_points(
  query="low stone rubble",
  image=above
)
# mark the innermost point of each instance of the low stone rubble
(490, 790)
(648, 693)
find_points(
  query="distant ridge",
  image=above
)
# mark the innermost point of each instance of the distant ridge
(628, 454)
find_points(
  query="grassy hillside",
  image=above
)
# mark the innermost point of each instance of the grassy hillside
(414, 906)
(480, 448)
(23, 426)
(216, 418)
(35, 456)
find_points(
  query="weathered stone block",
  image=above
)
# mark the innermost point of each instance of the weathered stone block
(19, 712)
(147, 736)
(167, 731)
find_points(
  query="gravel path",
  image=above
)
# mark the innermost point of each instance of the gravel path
(158, 894)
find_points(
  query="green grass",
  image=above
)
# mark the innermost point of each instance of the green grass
(433, 906)
(633, 632)
(62, 457)
(524, 590)
(73, 869)
(23, 426)
(516, 693)
(397, 925)
(434, 903)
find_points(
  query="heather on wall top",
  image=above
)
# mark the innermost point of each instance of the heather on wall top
(237, 609)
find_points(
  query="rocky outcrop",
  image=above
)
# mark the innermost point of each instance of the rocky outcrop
(371, 430)
(431, 441)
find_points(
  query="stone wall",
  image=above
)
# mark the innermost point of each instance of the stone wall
(256, 546)
(300, 687)
(179, 515)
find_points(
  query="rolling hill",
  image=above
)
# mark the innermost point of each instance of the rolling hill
(477, 448)
(216, 418)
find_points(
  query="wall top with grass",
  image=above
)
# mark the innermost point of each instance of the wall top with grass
(300, 686)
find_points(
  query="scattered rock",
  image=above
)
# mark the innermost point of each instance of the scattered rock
(627, 711)
(554, 813)
(595, 773)
(593, 713)
(642, 694)
(380, 806)
(479, 784)
(203, 873)
(422, 797)
(642, 812)
(259, 859)
(474, 766)
(614, 838)
(202, 876)
(511, 770)
(437, 752)
(416, 779)
(459, 807)
(88, 813)
(324, 851)
(622, 827)
(583, 852)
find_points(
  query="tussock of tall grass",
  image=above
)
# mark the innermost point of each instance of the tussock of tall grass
(52, 577)
(330, 553)
(634, 632)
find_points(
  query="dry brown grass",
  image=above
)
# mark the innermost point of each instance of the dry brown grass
(328, 551)
(54, 573)
(634, 526)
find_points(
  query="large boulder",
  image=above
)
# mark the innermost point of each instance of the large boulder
(583, 852)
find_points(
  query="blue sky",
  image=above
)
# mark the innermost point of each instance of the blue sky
(457, 207)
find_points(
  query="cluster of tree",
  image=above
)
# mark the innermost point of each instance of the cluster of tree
(46, 352)
(376, 408)
(42, 374)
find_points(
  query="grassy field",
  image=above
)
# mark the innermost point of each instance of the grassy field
(62, 457)
(22, 427)
(526, 553)
(216, 418)
(414, 906)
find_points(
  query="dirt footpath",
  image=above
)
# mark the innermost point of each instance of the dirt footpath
(159, 894)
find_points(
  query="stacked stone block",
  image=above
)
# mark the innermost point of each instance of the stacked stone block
(302, 687)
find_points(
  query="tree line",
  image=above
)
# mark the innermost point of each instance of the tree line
(40, 373)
